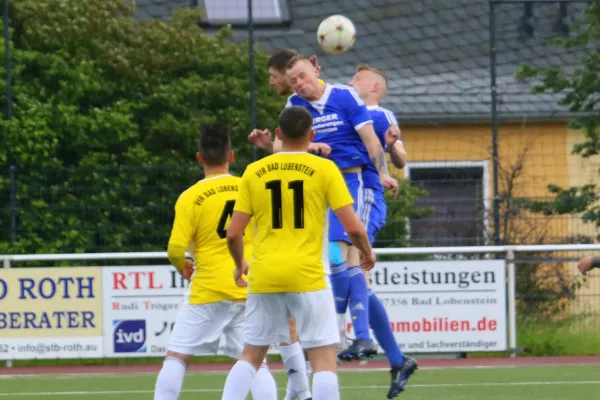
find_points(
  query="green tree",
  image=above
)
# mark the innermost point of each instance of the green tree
(581, 88)
(107, 110)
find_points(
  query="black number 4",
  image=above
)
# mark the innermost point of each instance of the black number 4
(225, 215)
(298, 188)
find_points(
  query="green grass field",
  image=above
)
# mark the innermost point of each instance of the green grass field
(522, 383)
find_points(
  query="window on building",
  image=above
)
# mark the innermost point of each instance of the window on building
(235, 12)
(458, 194)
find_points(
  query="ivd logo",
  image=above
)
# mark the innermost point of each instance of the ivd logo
(129, 336)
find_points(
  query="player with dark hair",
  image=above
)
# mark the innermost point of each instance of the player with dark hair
(289, 194)
(293, 357)
(214, 307)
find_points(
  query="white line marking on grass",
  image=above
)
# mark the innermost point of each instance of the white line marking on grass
(446, 385)
(128, 375)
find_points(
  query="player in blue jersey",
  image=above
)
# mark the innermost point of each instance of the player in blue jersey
(262, 138)
(371, 85)
(341, 121)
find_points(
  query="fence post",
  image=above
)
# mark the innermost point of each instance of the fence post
(512, 302)
(8, 60)
(494, 121)
(252, 73)
(12, 173)
(6, 264)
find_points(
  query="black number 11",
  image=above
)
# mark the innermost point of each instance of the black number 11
(298, 188)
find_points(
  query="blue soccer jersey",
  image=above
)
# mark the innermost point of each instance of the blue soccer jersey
(337, 116)
(374, 208)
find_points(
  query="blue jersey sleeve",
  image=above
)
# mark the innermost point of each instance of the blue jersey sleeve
(356, 109)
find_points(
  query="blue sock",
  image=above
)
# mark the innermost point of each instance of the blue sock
(341, 285)
(383, 331)
(359, 303)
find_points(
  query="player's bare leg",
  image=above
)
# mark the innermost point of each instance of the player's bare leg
(362, 346)
(325, 380)
(296, 366)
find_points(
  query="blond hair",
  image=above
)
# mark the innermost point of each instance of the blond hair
(366, 67)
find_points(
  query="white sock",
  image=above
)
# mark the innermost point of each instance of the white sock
(239, 381)
(290, 393)
(170, 379)
(263, 385)
(325, 386)
(341, 320)
(308, 371)
(293, 360)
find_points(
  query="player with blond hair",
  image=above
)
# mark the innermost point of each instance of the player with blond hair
(371, 85)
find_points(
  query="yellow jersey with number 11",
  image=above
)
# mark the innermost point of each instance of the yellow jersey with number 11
(202, 215)
(289, 195)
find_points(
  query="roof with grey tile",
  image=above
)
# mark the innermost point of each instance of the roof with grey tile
(435, 52)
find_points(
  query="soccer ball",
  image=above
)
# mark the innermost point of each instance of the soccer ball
(336, 34)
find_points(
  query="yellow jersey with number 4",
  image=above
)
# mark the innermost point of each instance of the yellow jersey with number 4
(289, 195)
(202, 215)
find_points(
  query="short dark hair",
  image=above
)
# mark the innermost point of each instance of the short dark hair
(295, 123)
(280, 58)
(215, 144)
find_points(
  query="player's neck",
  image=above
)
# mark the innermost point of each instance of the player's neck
(319, 92)
(371, 101)
(294, 147)
(216, 170)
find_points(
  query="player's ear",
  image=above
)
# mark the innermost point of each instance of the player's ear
(230, 157)
(278, 133)
(311, 135)
(199, 158)
(376, 87)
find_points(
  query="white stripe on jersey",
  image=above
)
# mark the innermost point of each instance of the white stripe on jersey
(391, 118)
(352, 92)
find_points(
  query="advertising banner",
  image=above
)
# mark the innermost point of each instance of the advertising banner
(443, 306)
(50, 313)
(140, 309)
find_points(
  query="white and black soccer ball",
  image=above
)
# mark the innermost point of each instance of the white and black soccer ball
(336, 34)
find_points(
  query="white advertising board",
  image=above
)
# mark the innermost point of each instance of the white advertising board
(50, 313)
(140, 309)
(443, 306)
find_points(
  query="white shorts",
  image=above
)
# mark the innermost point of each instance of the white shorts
(199, 328)
(314, 312)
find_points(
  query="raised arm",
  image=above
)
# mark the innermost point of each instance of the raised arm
(376, 152)
(395, 147)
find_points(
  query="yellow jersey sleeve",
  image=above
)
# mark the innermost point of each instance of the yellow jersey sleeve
(338, 194)
(243, 203)
(182, 231)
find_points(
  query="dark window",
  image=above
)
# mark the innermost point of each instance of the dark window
(457, 196)
(235, 12)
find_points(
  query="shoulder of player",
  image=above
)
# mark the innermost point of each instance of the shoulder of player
(388, 114)
(322, 163)
(347, 92)
(188, 195)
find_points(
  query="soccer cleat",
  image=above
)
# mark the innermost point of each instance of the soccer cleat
(400, 375)
(358, 349)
